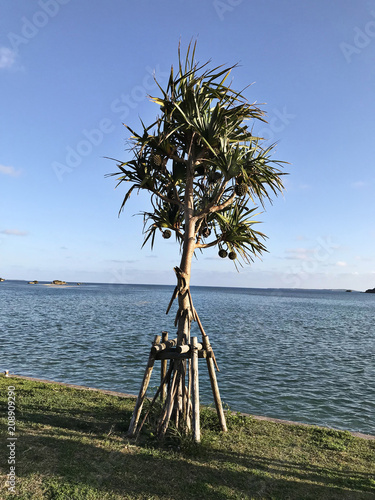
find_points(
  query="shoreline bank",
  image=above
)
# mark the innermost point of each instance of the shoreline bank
(133, 396)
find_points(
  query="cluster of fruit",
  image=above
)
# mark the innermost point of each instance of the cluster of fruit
(223, 254)
(206, 233)
(213, 177)
(156, 160)
(241, 187)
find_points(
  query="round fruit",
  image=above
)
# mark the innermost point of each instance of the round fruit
(240, 189)
(232, 255)
(167, 234)
(223, 253)
(211, 178)
(156, 160)
(200, 170)
(206, 232)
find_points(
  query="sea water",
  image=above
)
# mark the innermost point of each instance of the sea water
(301, 355)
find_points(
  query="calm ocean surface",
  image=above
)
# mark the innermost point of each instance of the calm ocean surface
(300, 355)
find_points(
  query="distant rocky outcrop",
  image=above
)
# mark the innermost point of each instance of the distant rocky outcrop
(370, 290)
(58, 282)
(2, 279)
(35, 282)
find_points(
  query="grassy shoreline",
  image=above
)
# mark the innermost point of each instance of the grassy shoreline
(72, 444)
(128, 395)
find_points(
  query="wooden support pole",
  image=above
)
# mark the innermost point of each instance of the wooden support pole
(215, 390)
(163, 371)
(141, 396)
(187, 416)
(205, 340)
(195, 390)
(168, 407)
(183, 399)
(180, 393)
(167, 377)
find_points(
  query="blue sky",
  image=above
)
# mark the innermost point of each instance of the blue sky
(72, 71)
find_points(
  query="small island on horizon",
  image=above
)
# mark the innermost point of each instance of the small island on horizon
(54, 282)
(65, 283)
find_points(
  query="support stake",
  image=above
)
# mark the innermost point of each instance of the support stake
(195, 390)
(141, 396)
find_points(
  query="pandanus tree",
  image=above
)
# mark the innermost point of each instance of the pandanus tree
(206, 174)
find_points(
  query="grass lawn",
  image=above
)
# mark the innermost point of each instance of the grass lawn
(72, 444)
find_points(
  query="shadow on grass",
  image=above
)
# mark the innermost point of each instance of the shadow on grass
(80, 460)
(298, 480)
(81, 451)
(98, 421)
(59, 406)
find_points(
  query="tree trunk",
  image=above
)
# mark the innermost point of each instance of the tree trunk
(178, 397)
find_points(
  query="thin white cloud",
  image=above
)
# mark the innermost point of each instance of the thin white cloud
(300, 253)
(9, 171)
(291, 186)
(361, 258)
(121, 261)
(13, 232)
(7, 57)
(359, 184)
(341, 263)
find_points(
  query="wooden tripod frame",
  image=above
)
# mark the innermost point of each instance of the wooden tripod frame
(163, 349)
(182, 353)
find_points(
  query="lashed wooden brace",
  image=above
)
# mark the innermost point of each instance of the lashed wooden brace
(169, 354)
(163, 345)
(142, 393)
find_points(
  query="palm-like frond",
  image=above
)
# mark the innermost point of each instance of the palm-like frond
(237, 232)
(196, 153)
(164, 216)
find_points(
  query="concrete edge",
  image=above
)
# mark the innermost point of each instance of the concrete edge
(133, 396)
